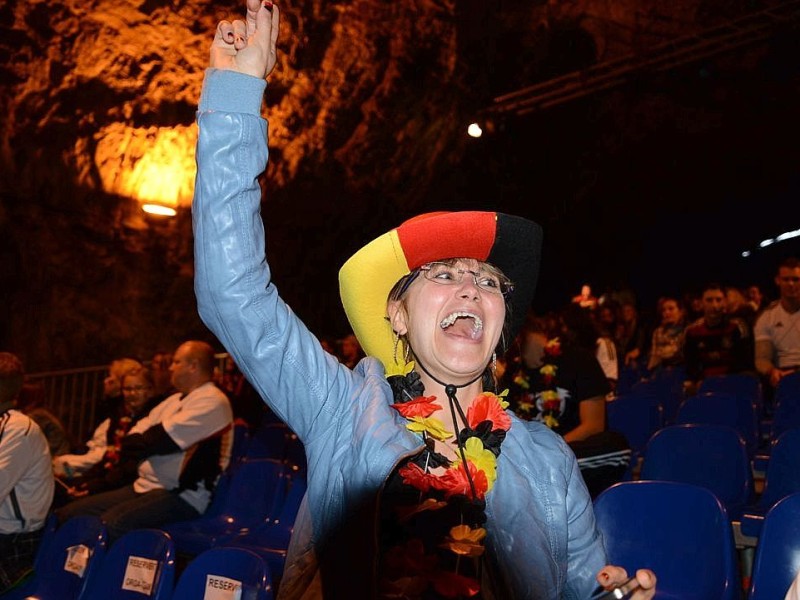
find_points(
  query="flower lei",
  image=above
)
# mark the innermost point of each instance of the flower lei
(111, 456)
(551, 402)
(462, 485)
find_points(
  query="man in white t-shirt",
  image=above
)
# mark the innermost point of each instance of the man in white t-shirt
(26, 478)
(777, 330)
(183, 445)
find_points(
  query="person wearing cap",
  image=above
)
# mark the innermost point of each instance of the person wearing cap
(420, 483)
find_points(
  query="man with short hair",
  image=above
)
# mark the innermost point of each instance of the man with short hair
(183, 445)
(777, 330)
(716, 343)
(26, 478)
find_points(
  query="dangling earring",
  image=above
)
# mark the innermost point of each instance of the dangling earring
(396, 342)
(494, 364)
(407, 352)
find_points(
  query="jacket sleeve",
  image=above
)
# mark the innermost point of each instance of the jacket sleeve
(236, 297)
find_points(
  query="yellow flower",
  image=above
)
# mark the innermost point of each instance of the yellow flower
(501, 398)
(548, 395)
(548, 370)
(434, 427)
(482, 458)
(522, 381)
(550, 421)
(465, 541)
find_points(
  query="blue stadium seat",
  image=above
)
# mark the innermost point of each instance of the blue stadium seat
(782, 479)
(67, 563)
(225, 568)
(271, 540)
(140, 563)
(678, 530)
(722, 408)
(777, 559)
(252, 493)
(712, 456)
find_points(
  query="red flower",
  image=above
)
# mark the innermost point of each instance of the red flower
(455, 482)
(486, 407)
(420, 406)
(414, 476)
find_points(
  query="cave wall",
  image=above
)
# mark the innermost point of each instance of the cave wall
(367, 110)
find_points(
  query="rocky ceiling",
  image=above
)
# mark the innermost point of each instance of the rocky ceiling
(368, 110)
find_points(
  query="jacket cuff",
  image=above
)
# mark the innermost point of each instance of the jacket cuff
(229, 91)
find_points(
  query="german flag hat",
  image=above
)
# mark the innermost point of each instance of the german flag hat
(512, 244)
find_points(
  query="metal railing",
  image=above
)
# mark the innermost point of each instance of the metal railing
(74, 395)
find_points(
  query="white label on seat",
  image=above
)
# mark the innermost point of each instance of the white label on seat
(140, 573)
(77, 559)
(222, 588)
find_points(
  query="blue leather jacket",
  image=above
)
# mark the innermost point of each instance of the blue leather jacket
(541, 528)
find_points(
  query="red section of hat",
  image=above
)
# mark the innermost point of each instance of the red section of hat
(436, 236)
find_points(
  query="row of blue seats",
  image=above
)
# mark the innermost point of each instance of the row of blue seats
(74, 562)
(683, 533)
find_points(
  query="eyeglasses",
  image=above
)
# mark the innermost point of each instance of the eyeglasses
(447, 274)
(138, 388)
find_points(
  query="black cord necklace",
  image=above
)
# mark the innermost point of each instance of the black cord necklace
(450, 391)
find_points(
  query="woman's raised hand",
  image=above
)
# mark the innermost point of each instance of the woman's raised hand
(248, 46)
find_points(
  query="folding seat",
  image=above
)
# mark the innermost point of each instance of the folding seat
(140, 563)
(251, 493)
(777, 559)
(680, 531)
(636, 415)
(712, 456)
(237, 571)
(782, 479)
(67, 562)
(271, 540)
(721, 408)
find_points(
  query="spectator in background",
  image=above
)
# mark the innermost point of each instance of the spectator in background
(737, 306)
(755, 298)
(183, 444)
(585, 299)
(26, 479)
(666, 348)
(716, 344)
(31, 402)
(100, 468)
(560, 383)
(631, 337)
(112, 387)
(777, 330)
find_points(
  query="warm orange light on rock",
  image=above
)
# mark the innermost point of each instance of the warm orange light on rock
(153, 165)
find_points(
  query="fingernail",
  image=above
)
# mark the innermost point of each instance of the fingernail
(267, 4)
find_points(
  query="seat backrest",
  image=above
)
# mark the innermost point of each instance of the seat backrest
(678, 530)
(72, 556)
(667, 385)
(141, 562)
(269, 440)
(636, 415)
(783, 470)
(787, 405)
(745, 384)
(224, 568)
(777, 558)
(712, 456)
(256, 488)
(722, 408)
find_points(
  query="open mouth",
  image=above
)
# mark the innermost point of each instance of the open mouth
(464, 324)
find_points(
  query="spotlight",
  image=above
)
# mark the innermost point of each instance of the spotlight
(159, 209)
